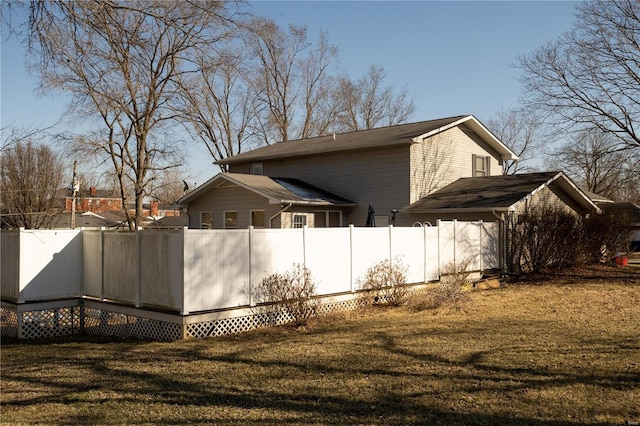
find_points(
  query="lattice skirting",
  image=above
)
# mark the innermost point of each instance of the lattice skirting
(103, 319)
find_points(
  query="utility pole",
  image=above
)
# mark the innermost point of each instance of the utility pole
(75, 188)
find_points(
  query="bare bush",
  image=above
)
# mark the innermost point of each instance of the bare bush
(546, 236)
(290, 293)
(452, 289)
(605, 235)
(386, 282)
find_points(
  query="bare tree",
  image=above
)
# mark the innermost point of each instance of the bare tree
(170, 186)
(368, 103)
(291, 78)
(120, 61)
(520, 130)
(593, 160)
(13, 134)
(590, 76)
(219, 104)
(31, 179)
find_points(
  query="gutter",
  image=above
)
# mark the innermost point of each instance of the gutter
(491, 210)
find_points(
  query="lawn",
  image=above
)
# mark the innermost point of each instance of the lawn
(561, 350)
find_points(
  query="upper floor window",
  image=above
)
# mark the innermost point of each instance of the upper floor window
(481, 165)
(256, 169)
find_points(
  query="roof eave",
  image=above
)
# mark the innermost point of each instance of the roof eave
(316, 203)
(456, 210)
(506, 154)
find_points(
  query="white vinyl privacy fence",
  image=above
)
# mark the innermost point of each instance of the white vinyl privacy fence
(193, 271)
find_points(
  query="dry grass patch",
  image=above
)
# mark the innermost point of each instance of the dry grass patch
(555, 354)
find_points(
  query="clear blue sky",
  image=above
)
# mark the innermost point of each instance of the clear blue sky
(454, 57)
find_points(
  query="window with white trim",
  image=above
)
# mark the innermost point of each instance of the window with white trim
(299, 220)
(257, 218)
(231, 219)
(206, 220)
(481, 165)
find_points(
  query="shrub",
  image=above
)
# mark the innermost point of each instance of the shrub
(290, 292)
(452, 289)
(605, 235)
(385, 282)
(546, 236)
(454, 278)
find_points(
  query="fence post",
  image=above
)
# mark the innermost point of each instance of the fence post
(102, 264)
(183, 304)
(438, 223)
(251, 298)
(481, 247)
(139, 242)
(390, 243)
(304, 246)
(351, 227)
(455, 245)
(424, 252)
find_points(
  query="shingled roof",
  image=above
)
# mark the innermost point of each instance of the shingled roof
(365, 139)
(494, 193)
(276, 190)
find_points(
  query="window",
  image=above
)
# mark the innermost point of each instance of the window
(257, 218)
(206, 220)
(231, 219)
(325, 219)
(481, 165)
(256, 169)
(299, 220)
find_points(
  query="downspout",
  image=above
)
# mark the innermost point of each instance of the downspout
(502, 241)
(282, 210)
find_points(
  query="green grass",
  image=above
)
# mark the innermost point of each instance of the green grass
(563, 353)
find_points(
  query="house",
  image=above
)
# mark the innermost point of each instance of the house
(87, 220)
(232, 200)
(387, 168)
(629, 213)
(93, 200)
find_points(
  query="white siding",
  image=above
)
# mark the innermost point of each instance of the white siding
(379, 177)
(230, 197)
(446, 157)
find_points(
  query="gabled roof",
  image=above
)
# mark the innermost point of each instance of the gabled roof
(169, 222)
(63, 221)
(630, 210)
(276, 190)
(365, 139)
(495, 193)
(597, 198)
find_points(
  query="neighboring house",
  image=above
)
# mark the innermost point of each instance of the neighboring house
(231, 200)
(87, 220)
(625, 211)
(168, 222)
(93, 200)
(493, 198)
(388, 168)
(629, 213)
